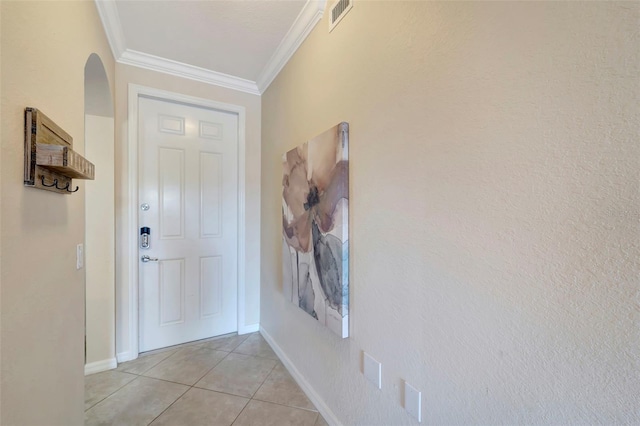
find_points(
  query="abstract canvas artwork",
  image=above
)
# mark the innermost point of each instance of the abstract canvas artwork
(315, 228)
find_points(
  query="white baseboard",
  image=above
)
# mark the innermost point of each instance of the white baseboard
(246, 329)
(100, 366)
(124, 357)
(322, 407)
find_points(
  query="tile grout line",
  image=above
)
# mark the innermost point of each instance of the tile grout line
(285, 405)
(276, 403)
(279, 403)
(227, 352)
(176, 348)
(131, 381)
(258, 356)
(222, 392)
(194, 343)
(188, 389)
(169, 406)
(184, 384)
(241, 411)
(137, 376)
(219, 391)
(248, 399)
(209, 370)
(209, 390)
(233, 394)
(154, 365)
(251, 399)
(265, 379)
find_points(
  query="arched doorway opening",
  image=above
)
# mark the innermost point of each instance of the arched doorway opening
(100, 220)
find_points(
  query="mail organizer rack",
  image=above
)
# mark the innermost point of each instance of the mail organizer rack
(50, 163)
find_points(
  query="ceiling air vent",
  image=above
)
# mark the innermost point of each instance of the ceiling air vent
(338, 10)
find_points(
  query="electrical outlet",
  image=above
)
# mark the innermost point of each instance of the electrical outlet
(413, 401)
(372, 370)
(79, 256)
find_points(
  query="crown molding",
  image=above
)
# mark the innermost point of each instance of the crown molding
(307, 19)
(179, 69)
(111, 22)
(309, 16)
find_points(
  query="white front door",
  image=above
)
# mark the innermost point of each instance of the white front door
(188, 197)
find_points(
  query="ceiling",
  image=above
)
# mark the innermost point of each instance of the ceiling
(231, 43)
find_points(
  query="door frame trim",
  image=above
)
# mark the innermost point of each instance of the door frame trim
(130, 207)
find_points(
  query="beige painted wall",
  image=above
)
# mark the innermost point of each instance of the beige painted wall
(1, 145)
(126, 74)
(494, 210)
(100, 243)
(44, 49)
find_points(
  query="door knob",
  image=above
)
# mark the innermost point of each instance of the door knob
(146, 259)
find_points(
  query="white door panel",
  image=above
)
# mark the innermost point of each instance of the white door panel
(188, 176)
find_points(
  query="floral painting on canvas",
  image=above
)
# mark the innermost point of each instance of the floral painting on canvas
(315, 228)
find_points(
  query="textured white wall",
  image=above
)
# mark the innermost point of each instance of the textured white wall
(127, 74)
(494, 210)
(45, 46)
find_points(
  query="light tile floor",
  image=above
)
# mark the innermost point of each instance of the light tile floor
(232, 380)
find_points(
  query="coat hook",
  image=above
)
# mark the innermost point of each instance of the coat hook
(66, 187)
(75, 190)
(55, 183)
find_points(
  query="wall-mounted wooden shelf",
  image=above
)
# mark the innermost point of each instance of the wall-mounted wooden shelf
(50, 163)
(63, 160)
